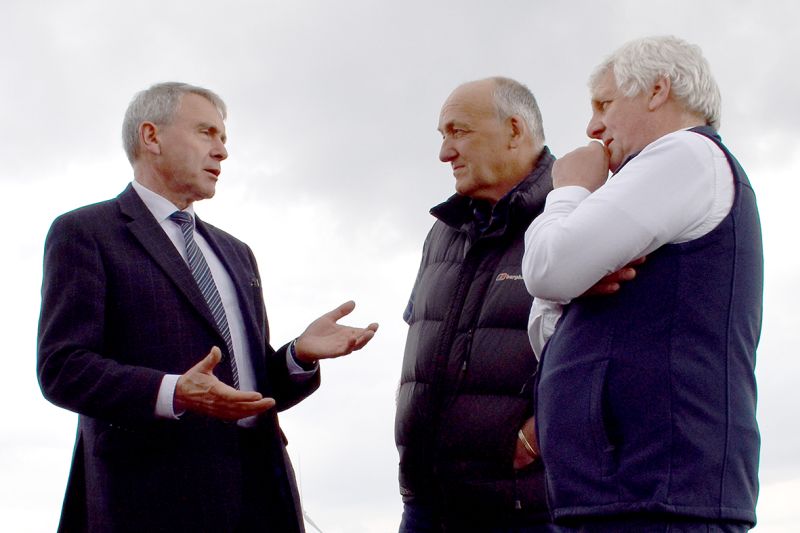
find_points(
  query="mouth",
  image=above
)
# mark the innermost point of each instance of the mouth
(214, 171)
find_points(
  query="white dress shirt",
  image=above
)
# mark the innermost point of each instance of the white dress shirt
(677, 189)
(161, 208)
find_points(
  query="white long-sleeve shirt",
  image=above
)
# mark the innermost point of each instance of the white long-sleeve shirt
(677, 189)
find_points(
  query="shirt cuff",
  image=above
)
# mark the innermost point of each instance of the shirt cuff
(570, 194)
(296, 368)
(166, 395)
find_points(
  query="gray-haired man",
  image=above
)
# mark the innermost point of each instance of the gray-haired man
(153, 330)
(464, 426)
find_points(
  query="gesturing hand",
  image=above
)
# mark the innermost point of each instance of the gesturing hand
(200, 391)
(324, 338)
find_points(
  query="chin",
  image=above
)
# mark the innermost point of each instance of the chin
(614, 164)
(204, 195)
(464, 188)
(210, 191)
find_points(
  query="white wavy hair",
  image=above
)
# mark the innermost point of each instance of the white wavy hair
(636, 65)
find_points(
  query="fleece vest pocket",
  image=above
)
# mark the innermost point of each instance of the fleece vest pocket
(602, 443)
(571, 417)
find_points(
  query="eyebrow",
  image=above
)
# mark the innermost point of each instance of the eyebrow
(451, 125)
(214, 129)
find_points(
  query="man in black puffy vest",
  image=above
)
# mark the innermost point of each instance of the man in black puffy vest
(464, 426)
(646, 399)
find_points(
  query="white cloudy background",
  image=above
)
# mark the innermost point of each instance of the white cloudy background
(333, 167)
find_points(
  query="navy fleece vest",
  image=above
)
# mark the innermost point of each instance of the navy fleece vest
(646, 400)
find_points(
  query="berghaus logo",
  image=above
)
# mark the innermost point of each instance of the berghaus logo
(504, 276)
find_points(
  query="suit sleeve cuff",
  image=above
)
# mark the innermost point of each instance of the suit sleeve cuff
(297, 369)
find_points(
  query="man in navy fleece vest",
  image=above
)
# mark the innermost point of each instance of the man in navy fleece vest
(646, 399)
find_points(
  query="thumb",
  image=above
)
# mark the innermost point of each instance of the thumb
(597, 146)
(207, 364)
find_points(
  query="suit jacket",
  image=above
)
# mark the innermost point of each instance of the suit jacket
(120, 309)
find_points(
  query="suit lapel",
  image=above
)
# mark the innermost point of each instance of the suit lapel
(149, 233)
(240, 271)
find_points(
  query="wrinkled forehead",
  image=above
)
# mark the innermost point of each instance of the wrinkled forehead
(468, 103)
(198, 107)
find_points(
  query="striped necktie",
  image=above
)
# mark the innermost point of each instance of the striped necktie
(202, 275)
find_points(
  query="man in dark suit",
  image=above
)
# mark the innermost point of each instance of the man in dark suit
(153, 329)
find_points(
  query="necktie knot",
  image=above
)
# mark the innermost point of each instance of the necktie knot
(181, 218)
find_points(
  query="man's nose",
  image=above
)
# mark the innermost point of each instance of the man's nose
(595, 127)
(447, 153)
(219, 152)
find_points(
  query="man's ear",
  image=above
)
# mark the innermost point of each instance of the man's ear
(148, 137)
(516, 130)
(659, 93)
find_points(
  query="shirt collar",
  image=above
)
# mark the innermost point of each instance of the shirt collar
(160, 207)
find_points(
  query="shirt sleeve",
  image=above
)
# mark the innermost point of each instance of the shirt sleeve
(661, 195)
(542, 323)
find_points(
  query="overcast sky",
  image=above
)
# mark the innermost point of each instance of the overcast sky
(333, 166)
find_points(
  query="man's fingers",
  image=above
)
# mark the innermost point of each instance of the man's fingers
(611, 283)
(238, 410)
(228, 394)
(222, 392)
(251, 408)
(227, 403)
(244, 409)
(363, 339)
(602, 289)
(608, 288)
(267, 403)
(596, 144)
(599, 147)
(342, 311)
(626, 274)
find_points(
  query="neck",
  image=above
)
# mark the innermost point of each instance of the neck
(679, 118)
(515, 174)
(149, 178)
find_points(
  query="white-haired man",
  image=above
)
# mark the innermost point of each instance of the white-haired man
(645, 399)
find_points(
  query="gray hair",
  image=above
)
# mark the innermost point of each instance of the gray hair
(158, 105)
(513, 98)
(637, 64)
